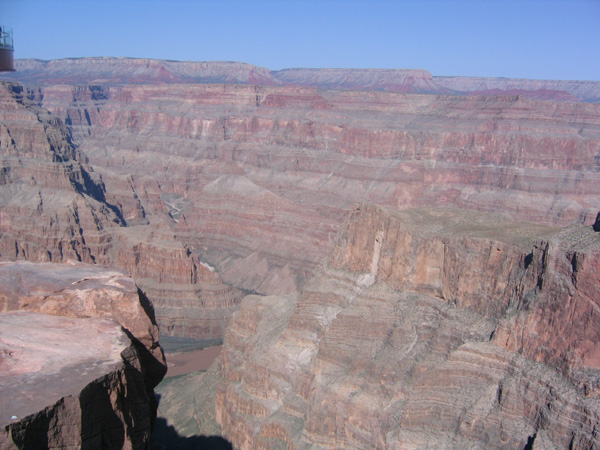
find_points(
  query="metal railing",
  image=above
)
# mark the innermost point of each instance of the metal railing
(6, 37)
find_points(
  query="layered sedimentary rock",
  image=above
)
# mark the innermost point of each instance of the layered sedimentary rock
(550, 89)
(52, 203)
(111, 71)
(55, 207)
(106, 70)
(255, 181)
(428, 328)
(252, 182)
(396, 80)
(79, 358)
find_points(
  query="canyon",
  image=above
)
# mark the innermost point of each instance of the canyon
(217, 190)
(393, 259)
(426, 328)
(79, 358)
(55, 207)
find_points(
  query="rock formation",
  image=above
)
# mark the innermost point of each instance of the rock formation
(542, 89)
(55, 207)
(255, 181)
(79, 358)
(427, 328)
(424, 328)
(248, 182)
(111, 71)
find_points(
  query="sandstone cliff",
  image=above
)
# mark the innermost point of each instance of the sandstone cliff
(55, 207)
(255, 181)
(249, 184)
(428, 328)
(79, 358)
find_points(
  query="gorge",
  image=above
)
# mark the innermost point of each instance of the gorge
(377, 217)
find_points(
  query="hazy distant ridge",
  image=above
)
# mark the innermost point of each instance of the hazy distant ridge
(108, 70)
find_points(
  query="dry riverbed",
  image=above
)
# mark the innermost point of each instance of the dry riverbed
(182, 363)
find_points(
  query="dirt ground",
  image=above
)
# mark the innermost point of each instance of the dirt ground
(186, 362)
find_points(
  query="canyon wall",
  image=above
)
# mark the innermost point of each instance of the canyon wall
(55, 207)
(543, 89)
(204, 191)
(255, 181)
(427, 328)
(79, 358)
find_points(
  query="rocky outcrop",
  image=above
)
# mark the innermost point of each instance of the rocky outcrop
(429, 328)
(55, 207)
(80, 358)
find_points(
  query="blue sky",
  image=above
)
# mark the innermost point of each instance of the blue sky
(540, 39)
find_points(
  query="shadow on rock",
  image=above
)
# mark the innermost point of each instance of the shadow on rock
(165, 437)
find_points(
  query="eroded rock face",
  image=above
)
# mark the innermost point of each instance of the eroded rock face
(110, 71)
(55, 207)
(256, 180)
(80, 358)
(424, 329)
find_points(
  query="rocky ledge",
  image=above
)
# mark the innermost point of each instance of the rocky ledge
(79, 358)
(426, 328)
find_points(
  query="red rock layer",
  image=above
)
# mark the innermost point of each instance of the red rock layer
(54, 207)
(257, 180)
(424, 329)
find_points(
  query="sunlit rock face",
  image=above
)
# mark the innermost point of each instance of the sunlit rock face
(112, 71)
(79, 358)
(427, 328)
(55, 207)
(256, 181)
(249, 181)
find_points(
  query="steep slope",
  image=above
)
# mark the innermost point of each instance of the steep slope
(255, 181)
(251, 183)
(428, 328)
(52, 205)
(55, 207)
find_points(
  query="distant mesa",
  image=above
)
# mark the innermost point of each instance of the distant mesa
(107, 70)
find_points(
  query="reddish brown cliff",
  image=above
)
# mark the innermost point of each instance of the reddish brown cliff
(255, 181)
(55, 207)
(79, 358)
(427, 328)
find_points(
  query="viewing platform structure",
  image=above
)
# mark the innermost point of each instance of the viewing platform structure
(6, 50)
